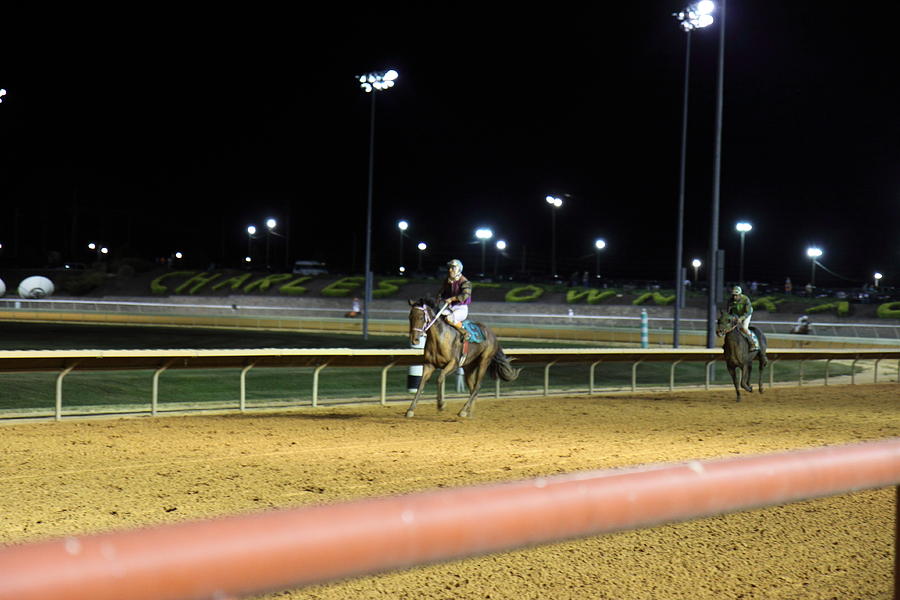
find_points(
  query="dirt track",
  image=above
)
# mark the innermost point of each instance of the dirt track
(74, 477)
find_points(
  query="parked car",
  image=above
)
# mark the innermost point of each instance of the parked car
(310, 267)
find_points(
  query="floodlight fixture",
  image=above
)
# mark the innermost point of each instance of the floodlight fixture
(247, 259)
(104, 250)
(696, 16)
(2, 93)
(696, 263)
(271, 223)
(743, 227)
(813, 253)
(251, 230)
(484, 233)
(600, 244)
(378, 80)
(422, 246)
(554, 201)
(403, 225)
(179, 255)
(92, 246)
(501, 245)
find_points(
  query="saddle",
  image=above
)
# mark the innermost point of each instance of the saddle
(473, 335)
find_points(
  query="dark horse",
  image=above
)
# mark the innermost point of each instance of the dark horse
(738, 354)
(443, 350)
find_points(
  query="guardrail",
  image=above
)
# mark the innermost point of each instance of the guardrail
(253, 554)
(881, 331)
(64, 362)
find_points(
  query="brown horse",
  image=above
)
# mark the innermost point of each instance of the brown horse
(738, 354)
(443, 350)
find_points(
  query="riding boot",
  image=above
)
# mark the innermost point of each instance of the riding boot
(459, 327)
(754, 345)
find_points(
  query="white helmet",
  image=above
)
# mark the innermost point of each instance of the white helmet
(737, 290)
(455, 263)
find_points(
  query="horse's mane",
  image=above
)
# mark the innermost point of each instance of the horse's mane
(429, 301)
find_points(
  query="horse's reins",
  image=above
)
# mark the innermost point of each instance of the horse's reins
(437, 315)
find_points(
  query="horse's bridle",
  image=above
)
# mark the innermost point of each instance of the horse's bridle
(424, 308)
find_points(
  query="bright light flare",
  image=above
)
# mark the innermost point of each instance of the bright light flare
(600, 244)
(554, 201)
(403, 225)
(813, 252)
(377, 81)
(743, 227)
(422, 246)
(696, 263)
(484, 233)
(251, 230)
(501, 245)
(2, 93)
(271, 223)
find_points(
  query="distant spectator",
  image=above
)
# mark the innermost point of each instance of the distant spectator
(585, 279)
(354, 312)
(754, 287)
(809, 289)
(802, 326)
(788, 286)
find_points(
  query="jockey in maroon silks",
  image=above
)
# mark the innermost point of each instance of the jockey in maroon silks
(456, 291)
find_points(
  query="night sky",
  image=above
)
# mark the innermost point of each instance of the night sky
(162, 131)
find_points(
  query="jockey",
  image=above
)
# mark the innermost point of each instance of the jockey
(457, 292)
(740, 307)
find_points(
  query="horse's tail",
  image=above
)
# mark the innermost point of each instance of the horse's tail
(500, 367)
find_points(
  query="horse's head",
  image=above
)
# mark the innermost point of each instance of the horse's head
(725, 323)
(421, 313)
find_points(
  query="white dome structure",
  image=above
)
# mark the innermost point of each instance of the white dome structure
(36, 286)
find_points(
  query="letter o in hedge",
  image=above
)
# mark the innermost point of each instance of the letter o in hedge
(524, 294)
(889, 310)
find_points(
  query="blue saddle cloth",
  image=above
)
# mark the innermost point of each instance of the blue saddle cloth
(475, 334)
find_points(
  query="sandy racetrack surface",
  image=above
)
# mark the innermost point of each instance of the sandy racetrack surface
(99, 475)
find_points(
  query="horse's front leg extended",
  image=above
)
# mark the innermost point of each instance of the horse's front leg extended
(427, 370)
(452, 366)
(762, 365)
(745, 376)
(734, 380)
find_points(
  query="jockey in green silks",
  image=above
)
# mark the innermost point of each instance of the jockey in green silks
(739, 306)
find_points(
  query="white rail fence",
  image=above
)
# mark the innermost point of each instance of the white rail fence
(884, 331)
(64, 362)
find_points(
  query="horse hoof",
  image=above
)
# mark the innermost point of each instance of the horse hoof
(463, 413)
(409, 414)
(440, 407)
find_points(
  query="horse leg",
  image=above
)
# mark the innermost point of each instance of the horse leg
(734, 380)
(440, 382)
(474, 377)
(762, 365)
(427, 370)
(745, 376)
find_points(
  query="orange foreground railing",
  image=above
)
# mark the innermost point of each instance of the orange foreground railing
(252, 554)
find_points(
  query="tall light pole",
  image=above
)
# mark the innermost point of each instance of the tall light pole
(877, 277)
(402, 226)
(270, 229)
(500, 247)
(251, 232)
(422, 248)
(813, 254)
(483, 234)
(554, 203)
(695, 16)
(742, 228)
(599, 244)
(696, 264)
(372, 83)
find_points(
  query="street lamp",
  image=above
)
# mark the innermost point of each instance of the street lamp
(500, 246)
(402, 226)
(813, 254)
(483, 234)
(370, 83)
(555, 203)
(251, 233)
(877, 277)
(422, 248)
(696, 264)
(694, 16)
(599, 244)
(270, 227)
(742, 228)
